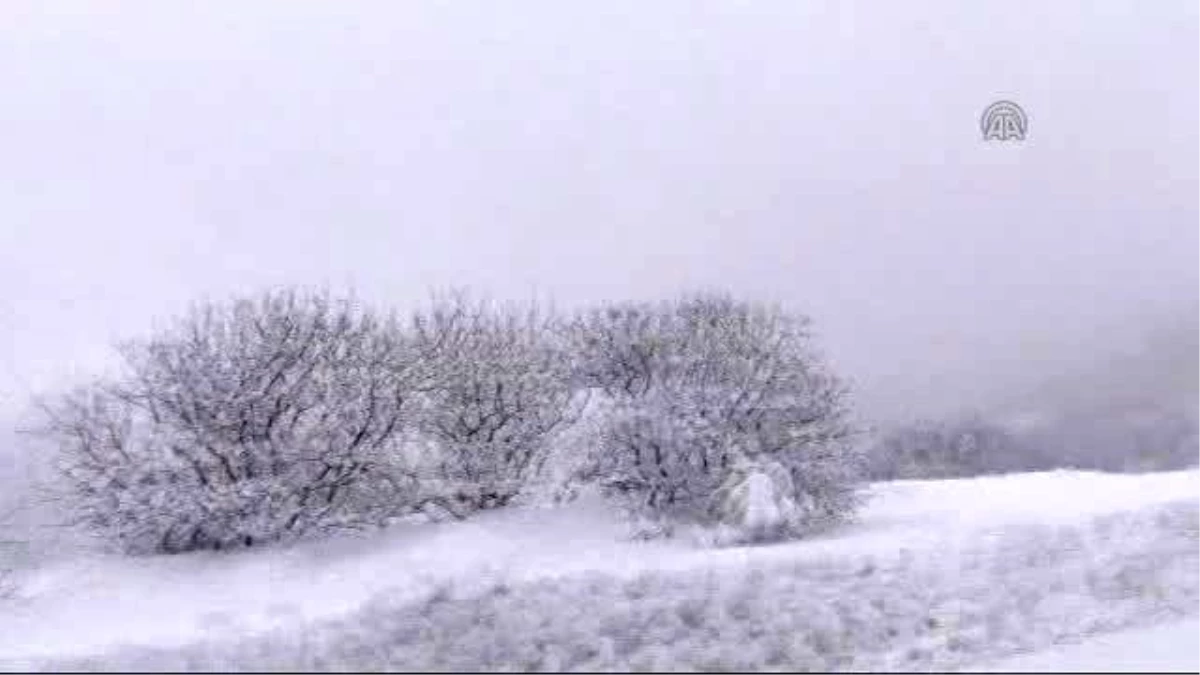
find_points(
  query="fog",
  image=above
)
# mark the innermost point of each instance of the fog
(823, 154)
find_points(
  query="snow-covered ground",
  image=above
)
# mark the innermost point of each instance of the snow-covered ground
(937, 573)
(1170, 648)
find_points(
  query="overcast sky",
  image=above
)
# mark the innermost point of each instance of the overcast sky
(825, 154)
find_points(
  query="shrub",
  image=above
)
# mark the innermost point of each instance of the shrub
(1153, 439)
(958, 448)
(242, 423)
(500, 393)
(704, 384)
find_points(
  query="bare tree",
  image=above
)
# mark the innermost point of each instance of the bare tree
(707, 382)
(243, 423)
(501, 391)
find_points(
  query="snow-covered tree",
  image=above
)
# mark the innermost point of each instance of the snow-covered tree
(242, 423)
(501, 392)
(706, 383)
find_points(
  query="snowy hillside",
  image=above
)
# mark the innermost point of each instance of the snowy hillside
(1173, 647)
(934, 574)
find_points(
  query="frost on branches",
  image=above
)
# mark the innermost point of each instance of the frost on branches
(273, 417)
(243, 423)
(501, 392)
(710, 397)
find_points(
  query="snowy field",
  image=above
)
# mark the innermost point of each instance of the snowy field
(1174, 647)
(936, 574)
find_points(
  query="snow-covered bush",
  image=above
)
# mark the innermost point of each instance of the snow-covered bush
(1155, 439)
(956, 448)
(500, 392)
(705, 384)
(240, 424)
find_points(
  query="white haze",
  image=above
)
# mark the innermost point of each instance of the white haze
(824, 154)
